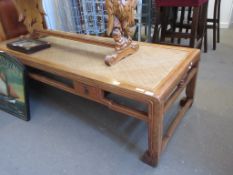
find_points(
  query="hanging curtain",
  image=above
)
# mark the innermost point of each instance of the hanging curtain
(79, 16)
(59, 15)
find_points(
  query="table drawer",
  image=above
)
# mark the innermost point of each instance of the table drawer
(86, 90)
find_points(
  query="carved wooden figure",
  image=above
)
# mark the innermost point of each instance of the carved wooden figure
(31, 13)
(120, 19)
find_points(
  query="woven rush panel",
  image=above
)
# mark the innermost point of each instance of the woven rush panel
(145, 69)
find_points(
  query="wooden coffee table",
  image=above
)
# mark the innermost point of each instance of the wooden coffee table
(155, 76)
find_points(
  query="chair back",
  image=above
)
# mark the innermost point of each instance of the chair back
(9, 20)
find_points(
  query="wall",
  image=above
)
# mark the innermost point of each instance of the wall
(232, 18)
(226, 12)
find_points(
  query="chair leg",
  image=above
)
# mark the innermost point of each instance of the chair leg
(203, 27)
(157, 22)
(181, 22)
(215, 25)
(175, 14)
(194, 26)
(164, 23)
(205, 30)
(189, 17)
(219, 15)
(218, 32)
(149, 21)
(206, 41)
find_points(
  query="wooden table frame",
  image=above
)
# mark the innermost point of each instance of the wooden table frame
(158, 103)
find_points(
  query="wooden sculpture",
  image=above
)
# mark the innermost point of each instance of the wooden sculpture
(31, 13)
(120, 19)
(120, 16)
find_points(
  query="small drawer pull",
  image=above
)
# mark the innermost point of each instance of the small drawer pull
(86, 90)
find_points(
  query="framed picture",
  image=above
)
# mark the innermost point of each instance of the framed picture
(28, 46)
(13, 87)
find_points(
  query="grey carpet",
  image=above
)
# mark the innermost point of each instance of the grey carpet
(71, 135)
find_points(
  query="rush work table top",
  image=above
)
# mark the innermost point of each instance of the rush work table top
(155, 76)
(145, 71)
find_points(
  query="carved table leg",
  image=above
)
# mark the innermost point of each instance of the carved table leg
(155, 133)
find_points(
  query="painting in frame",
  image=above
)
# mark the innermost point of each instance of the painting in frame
(13, 87)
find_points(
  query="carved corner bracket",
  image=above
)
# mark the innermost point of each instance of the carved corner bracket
(120, 19)
(121, 54)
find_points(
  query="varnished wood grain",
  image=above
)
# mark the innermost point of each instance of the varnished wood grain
(175, 124)
(155, 76)
(77, 37)
(143, 70)
(120, 20)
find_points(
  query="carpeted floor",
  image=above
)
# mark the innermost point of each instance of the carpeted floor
(71, 135)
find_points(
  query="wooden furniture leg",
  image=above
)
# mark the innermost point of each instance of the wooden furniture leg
(156, 28)
(175, 14)
(157, 140)
(215, 26)
(181, 22)
(206, 41)
(189, 18)
(194, 26)
(202, 31)
(164, 23)
(218, 21)
(155, 135)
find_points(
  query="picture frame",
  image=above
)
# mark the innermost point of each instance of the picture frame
(14, 97)
(28, 46)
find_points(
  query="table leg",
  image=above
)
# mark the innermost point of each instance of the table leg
(155, 135)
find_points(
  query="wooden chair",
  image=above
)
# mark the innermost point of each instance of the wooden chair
(143, 18)
(10, 27)
(213, 23)
(197, 12)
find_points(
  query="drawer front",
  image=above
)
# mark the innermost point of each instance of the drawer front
(86, 90)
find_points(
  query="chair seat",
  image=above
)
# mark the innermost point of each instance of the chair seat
(180, 3)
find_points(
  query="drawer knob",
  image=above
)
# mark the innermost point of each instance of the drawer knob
(86, 90)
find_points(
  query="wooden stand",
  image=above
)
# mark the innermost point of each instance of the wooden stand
(121, 54)
(121, 18)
